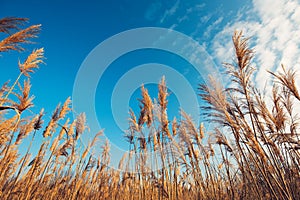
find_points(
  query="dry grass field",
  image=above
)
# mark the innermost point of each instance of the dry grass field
(252, 153)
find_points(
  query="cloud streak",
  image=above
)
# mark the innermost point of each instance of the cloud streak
(170, 12)
(274, 26)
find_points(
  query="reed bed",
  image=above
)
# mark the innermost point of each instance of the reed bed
(251, 153)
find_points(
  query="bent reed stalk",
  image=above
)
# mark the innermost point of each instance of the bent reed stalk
(252, 152)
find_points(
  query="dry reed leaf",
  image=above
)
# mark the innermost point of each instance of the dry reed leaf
(25, 101)
(32, 62)
(9, 23)
(13, 41)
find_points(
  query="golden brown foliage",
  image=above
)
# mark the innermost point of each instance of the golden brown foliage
(252, 153)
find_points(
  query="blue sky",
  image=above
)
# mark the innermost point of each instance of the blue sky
(72, 29)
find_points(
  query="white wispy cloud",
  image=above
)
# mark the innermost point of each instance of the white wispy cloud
(170, 12)
(204, 19)
(212, 27)
(195, 8)
(274, 26)
(182, 13)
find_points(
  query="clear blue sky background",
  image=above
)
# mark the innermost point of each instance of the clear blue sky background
(71, 29)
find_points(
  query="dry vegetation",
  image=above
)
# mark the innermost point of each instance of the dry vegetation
(253, 153)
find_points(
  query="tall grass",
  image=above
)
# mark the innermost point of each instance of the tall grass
(253, 152)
